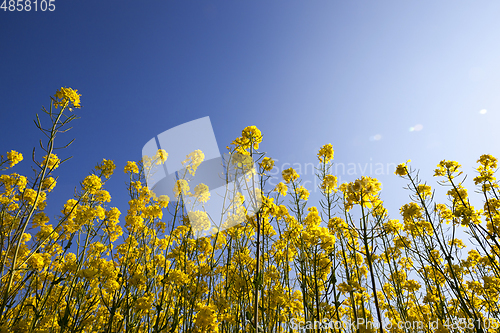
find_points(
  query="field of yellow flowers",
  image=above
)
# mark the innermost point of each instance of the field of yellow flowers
(340, 266)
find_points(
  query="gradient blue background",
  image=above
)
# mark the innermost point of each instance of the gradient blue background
(306, 73)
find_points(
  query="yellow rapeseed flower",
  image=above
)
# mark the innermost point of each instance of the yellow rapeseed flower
(199, 221)
(329, 184)
(326, 153)
(48, 184)
(252, 134)
(66, 95)
(37, 261)
(181, 187)
(14, 157)
(281, 189)
(302, 192)
(401, 169)
(267, 164)
(486, 169)
(424, 190)
(92, 183)
(163, 200)
(201, 192)
(250, 137)
(411, 210)
(131, 167)
(364, 190)
(53, 162)
(446, 167)
(289, 175)
(161, 156)
(107, 167)
(193, 161)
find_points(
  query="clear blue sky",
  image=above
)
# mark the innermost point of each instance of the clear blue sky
(357, 74)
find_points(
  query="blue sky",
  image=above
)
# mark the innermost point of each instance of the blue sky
(357, 74)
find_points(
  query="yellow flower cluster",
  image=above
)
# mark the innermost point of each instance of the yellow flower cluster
(80, 271)
(393, 226)
(67, 95)
(444, 213)
(163, 201)
(362, 191)
(325, 154)
(131, 168)
(329, 184)
(12, 183)
(53, 161)
(251, 137)
(193, 161)
(281, 189)
(107, 167)
(161, 156)
(206, 318)
(92, 184)
(39, 261)
(289, 175)
(302, 192)
(145, 302)
(401, 169)
(267, 164)
(14, 157)
(34, 198)
(199, 221)
(486, 169)
(181, 187)
(411, 211)
(201, 192)
(424, 190)
(447, 168)
(48, 184)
